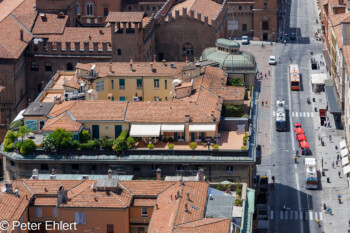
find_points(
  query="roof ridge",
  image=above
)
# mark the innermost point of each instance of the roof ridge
(216, 220)
(76, 194)
(177, 207)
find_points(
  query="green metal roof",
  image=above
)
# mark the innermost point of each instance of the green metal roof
(247, 221)
(228, 44)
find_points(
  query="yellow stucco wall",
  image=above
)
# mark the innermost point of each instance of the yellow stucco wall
(147, 91)
(38, 119)
(106, 129)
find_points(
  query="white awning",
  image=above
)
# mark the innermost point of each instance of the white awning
(344, 152)
(318, 78)
(19, 116)
(345, 160)
(140, 130)
(346, 169)
(342, 144)
(172, 128)
(202, 128)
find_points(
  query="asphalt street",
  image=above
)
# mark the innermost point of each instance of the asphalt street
(303, 207)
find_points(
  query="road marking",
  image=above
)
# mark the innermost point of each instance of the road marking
(301, 114)
(310, 215)
(308, 114)
(321, 216)
(281, 214)
(296, 215)
(304, 114)
(315, 215)
(291, 215)
(312, 114)
(306, 214)
(271, 215)
(292, 114)
(296, 114)
(274, 113)
(286, 215)
(301, 215)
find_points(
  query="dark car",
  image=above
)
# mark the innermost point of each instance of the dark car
(293, 36)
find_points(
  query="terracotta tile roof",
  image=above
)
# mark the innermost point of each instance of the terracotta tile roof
(229, 93)
(86, 110)
(144, 202)
(72, 83)
(114, 16)
(49, 24)
(50, 187)
(146, 188)
(336, 21)
(12, 207)
(206, 225)
(7, 6)
(164, 222)
(92, 198)
(139, 69)
(324, 2)
(26, 14)
(45, 201)
(63, 121)
(205, 7)
(80, 34)
(11, 45)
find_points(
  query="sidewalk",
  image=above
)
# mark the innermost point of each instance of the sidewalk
(328, 153)
(262, 55)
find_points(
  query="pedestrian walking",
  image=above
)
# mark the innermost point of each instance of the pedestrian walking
(333, 164)
(338, 156)
(266, 103)
(265, 75)
(339, 199)
(336, 162)
(324, 206)
(262, 103)
(336, 147)
(349, 222)
(269, 73)
(339, 173)
(318, 222)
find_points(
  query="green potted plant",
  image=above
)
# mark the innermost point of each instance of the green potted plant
(171, 146)
(216, 147)
(150, 146)
(193, 145)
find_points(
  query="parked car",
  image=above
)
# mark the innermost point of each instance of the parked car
(245, 40)
(272, 60)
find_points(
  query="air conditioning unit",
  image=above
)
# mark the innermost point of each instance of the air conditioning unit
(135, 99)
(172, 65)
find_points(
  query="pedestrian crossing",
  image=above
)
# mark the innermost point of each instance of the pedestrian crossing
(296, 215)
(299, 114)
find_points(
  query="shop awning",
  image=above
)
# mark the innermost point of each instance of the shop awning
(333, 105)
(318, 78)
(342, 144)
(141, 130)
(346, 169)
(172, 128)
(202, 128)
(344, 152)
(345, 160)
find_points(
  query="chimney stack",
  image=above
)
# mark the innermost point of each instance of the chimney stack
(201, 174)
(186, 207)
(110, 172)
(154, 58)
(163, 62)
(110, 68)
(188, 196)
(151, 66)
(21, 34)
(177, 194)
(159, 174)
(35, 174)
(53, 174)
(61, 196)
(131, 68)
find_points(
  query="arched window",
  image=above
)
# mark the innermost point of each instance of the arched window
(119, 52)
(89, 9)
(48, 67)
(69, 66)
(187, 49)
(78, 8)
(35, 66)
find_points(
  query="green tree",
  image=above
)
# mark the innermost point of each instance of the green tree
(27, 146)
(23, 131)
(84, 136)
(58, 140)
(120, 143)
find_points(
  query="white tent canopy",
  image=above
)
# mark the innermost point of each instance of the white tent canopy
(172, 128)
(318, 78)
(342, 144)
(141, 130)
(345, 161)
(344, 152)
(19, 116)
(202, 128)
(346, 169)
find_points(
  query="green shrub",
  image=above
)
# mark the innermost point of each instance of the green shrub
(250, 89)
(84, 136)
(23, 131)
(229, 110)
(238, 202)
(216, 147)
(246, 116)
(75, 144)
(90, 145)
(107, 143)
(193, 145)
(119, 143)
(9, 139)
(27, 147)
(238, 191)
(236, 82)
(171, 146)
(170, 139)
(17, 145)
(220, 187)
(243, 147)
(130, 142)
(9, 147)
(150, 146)
(245, 95)
(165, 139)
